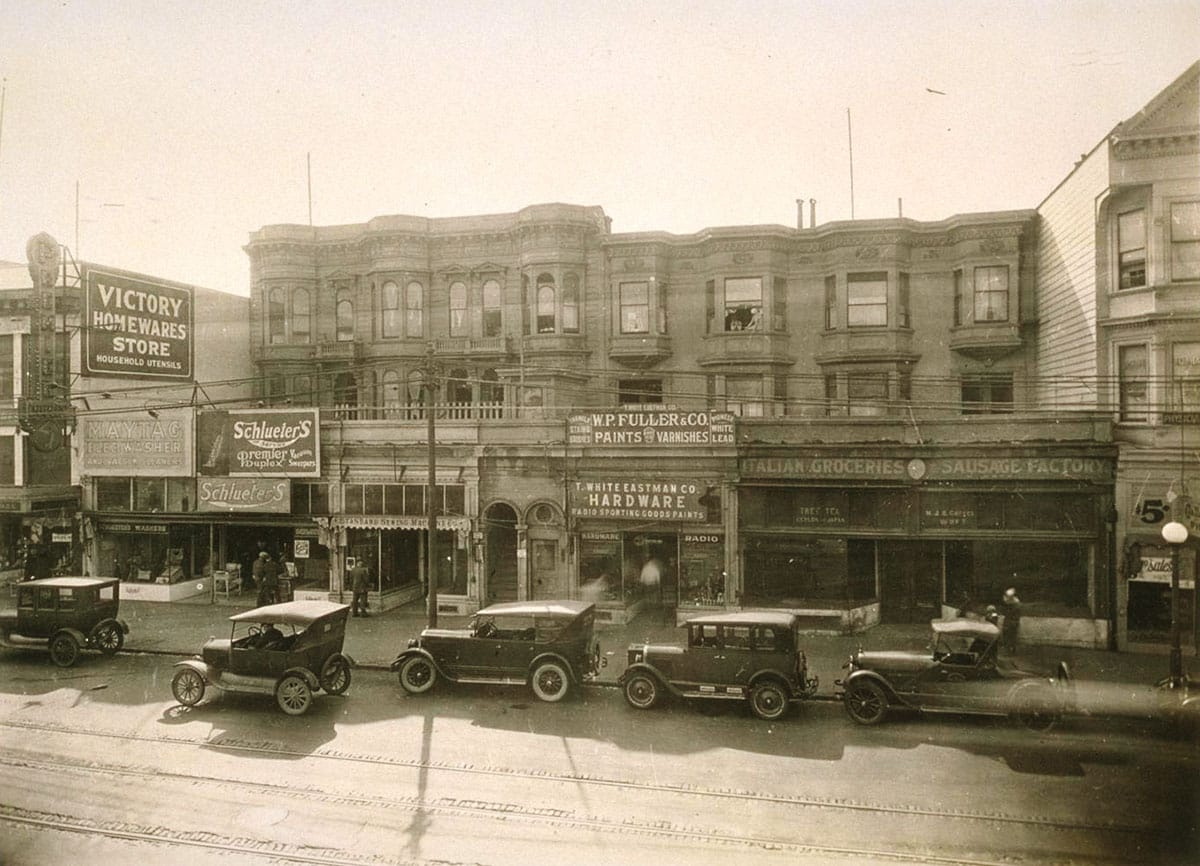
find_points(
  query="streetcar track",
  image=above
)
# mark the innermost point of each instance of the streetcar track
(837, 804)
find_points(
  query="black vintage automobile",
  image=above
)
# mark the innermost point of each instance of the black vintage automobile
(66, 615)
(546, 645)
(746, 655)
(288, 650)
(962, 674)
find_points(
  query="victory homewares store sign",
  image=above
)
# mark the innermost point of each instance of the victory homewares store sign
(136, 328)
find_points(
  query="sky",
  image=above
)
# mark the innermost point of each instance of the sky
(156, 136)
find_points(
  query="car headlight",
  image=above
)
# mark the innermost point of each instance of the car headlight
(413, 643)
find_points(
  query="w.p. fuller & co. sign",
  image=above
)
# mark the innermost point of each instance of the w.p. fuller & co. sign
(136, 327)
(259, 442)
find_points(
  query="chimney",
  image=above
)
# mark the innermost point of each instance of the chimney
(812, 213)
(799, 213)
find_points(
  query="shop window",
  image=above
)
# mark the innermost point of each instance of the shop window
(414, 311)
(8, 462)
(148, 494)
(987, 395)
(389, 307)
(744, 396)
(866, 299)
(570, 304)
(493, 320)
(181, 494)
(1185, 241)
(797, 571)
(743, 303)
(112, 494)
(1051, 577)
(991, 294)
(634, 392)
(1185, 377)
(352, 496)
(308, 498)
(635, 308)
(344, 315)
(1133, 370)
(372, 499)
(393, 498)
(301, 316)
(414, 499)
(600, 575)
(454, 498)
(867, 394)
(276, 312)
(1131, 249)
(458, 309)
(546, 303)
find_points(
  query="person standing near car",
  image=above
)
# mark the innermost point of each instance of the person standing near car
(1010, 629)
(360, 582)
(266, 576)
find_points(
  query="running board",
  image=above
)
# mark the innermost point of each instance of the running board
(491, 681)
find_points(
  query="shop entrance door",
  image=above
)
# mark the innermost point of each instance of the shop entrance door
(501, 546)
(657, 558)
(910, 585)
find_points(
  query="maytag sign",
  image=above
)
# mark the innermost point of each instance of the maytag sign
(259, 443)
(272, 495)
(650, 427)
(136, 327)
(131, 444)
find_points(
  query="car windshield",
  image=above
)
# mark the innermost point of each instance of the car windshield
(959, 649)
(264, 635)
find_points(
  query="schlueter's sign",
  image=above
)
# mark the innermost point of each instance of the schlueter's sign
(259, 442)
(244, 494)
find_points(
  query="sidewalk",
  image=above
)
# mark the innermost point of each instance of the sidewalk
(181, 628)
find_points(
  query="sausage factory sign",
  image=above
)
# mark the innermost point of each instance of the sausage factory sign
(136, 327)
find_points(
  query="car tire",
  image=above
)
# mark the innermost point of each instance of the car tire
(188, 687)
(641, 691)
(293, 695)
(866, 702)
(417, 675)
(1035, 707)
(550, 682)
(335, 675)
(64, 649)
(768, 700)
(109, 638)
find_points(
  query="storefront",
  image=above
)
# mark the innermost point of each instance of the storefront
(854, 539)
(39, 536)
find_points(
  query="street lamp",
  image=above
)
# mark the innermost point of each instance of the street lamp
(1175, 534)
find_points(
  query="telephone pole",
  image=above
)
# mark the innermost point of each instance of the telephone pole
(429, 387)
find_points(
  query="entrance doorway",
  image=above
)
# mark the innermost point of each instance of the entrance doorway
(653, 561)
(910, 585)
(501, 545)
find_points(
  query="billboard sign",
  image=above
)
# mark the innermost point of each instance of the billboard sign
(135, 444)
(136, 327)
(640, 500)
(259, 443)
(642, 426)
(227, 495)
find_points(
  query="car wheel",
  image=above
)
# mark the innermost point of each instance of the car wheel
(1034, 706)
(866, 702)
(641, 691)
(188, 687)
(109, 638)
(550, 682)
(768, 701)
(293, 695)
(64, 649)
(417, 675)
(335, 675)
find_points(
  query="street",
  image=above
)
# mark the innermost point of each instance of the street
(102, 766)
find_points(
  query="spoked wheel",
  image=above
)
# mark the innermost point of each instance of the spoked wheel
(1035, 707)
(335, 675)
(866, 702)
(768, 701)
(550, 682)
(417, 675)
(641, 691)
(293, 695)
(188, 687)
(64, 649)
(109, 638)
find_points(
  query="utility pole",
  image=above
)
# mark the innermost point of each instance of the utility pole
(429, 386)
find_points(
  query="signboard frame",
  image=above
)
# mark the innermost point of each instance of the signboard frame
(141, 309)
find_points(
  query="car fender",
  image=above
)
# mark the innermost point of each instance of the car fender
(313, 681)
(119, 623)
(423, 653)
(349, 659)
(199, 667)
(771, 674)
(646, 668)
(554, 657)
(73, 632)
(878, 679)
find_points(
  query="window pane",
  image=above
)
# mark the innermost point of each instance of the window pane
(275, 314)
(1185, 377)
(414, 305)
(458, 309)
(390, 305)
(991, 294)
(300, 315)
(866, 299)
(112, 494)
(1131, 245)
(830, 303)
(345, 320)
(1185, 240)
(545, 309)
(1133, 364)
(744, 395)
(491, 309)
(743, 304)
(635, 308)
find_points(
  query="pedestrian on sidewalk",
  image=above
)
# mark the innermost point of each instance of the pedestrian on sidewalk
(360, 582)
(1010, 630)
(266, 576)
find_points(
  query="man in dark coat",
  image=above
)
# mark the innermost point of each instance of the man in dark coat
(266, 575)
(1010, 630)
(360, 582)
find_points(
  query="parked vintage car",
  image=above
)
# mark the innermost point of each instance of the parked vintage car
(66, 615)
(962, 674)
(546, 645)
(288, 650)
(746, 655)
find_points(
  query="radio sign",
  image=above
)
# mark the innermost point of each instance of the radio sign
(135, 327)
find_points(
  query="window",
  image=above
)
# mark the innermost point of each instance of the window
(458, 309)
(1131, 249)
(491, 393)
(414, 310)
(866, 299)
(309, 498)
(779, 304)
(635, 391)
(344, 313)
(492, 318)
(302, 391)
(148, 494)
(570, 304)
(458, 387)
(276, 311)
(112, 494)
(902, 302)
(276, 390)
(991, 294)
(830, 303)
(1133, 368)
(8, 460)
(392, 393)
(987, 395)
(1185, 241)
(301, 316)
(710, 303)
(832, 406)
(390, 307)
(744, 396)
(867, 393)
(961, 315)
(546, 303)
(743, 304)
(1185, 377)
(661, 296)
(635, 308)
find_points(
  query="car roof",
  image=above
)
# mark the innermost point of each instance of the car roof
(746, 617)
(73, 582)
(536, 608)
(976, 627)
(290, 612)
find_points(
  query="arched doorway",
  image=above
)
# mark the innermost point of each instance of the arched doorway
(500, 581)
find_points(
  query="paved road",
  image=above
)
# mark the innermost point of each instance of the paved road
(99, 765)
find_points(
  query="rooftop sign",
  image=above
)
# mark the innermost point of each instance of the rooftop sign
(136, 327)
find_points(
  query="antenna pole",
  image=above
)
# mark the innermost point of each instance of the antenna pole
(850, 140)
(308, 160)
